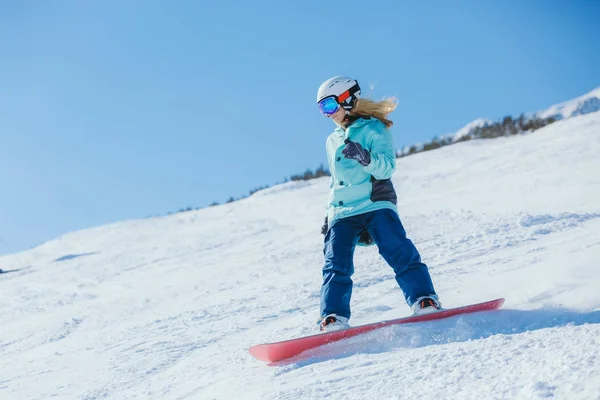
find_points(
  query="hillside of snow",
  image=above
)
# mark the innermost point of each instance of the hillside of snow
(166, 308)
(467, 129)
(586, 104)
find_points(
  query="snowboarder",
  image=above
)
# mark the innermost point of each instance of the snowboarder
(362, 203)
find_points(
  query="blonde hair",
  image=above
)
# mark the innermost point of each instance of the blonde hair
(376, 109)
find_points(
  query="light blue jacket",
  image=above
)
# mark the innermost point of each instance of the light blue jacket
(356, 189)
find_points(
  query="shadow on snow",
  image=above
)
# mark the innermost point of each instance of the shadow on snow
(72, 256)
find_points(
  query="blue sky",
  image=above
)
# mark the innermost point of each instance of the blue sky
(114, 110)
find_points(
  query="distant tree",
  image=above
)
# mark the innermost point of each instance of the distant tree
(434, 144)
(257, 189)
(309, 174)
(509, 126)
(521, 123)
(321, 171)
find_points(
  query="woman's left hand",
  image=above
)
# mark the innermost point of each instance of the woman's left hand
(356, 152)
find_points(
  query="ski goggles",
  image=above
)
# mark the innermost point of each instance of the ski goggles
(329, 106)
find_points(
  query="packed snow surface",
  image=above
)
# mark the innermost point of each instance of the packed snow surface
(166, 308)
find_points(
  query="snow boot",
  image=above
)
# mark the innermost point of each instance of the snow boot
(333, 322)
(426, 305)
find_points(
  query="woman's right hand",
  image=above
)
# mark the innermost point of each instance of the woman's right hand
(325, 227)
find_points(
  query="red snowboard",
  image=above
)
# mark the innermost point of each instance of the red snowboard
(271, 352)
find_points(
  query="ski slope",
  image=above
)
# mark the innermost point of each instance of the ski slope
(166, 308)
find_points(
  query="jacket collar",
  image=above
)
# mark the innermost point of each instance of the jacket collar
(355, 125)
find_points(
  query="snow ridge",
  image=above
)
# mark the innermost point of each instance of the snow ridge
(586, 104)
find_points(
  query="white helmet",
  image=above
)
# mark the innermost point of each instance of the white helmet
(345, 90)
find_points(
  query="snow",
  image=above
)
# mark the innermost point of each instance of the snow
(588, 103)
(166, 308)
(467, 129)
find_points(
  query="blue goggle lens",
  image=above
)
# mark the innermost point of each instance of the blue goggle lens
(329, 106)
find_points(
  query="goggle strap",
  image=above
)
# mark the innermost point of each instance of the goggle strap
(344, 96)
(348, 93)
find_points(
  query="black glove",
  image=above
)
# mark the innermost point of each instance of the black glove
(365, 239)
(325, 227)
(356, 152)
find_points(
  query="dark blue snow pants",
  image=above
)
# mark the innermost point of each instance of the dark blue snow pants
(387, 231)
